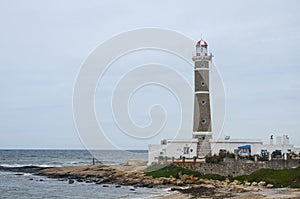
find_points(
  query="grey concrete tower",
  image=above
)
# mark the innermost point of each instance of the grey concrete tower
(202, 128)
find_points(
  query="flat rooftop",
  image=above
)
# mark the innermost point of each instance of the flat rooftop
(256, 141)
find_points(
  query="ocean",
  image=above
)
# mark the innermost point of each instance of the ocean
(26, 185)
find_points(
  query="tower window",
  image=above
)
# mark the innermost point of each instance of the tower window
(203, 121)
(202, 83)
(186, 150)
(203, 101)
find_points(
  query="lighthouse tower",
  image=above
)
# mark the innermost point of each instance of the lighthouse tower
(202, 128)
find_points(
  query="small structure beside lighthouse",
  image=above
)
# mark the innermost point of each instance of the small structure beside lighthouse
(202, 127)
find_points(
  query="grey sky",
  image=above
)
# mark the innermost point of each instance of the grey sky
(256, 45)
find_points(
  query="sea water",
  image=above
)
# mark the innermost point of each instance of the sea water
(25, 185)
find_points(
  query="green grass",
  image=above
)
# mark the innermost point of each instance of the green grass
(157, 171)
(279, 178)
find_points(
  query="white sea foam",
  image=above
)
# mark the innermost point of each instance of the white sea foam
(26, 165)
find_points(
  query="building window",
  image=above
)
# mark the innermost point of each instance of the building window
(186, 150)
(202, 83)
(203, 101)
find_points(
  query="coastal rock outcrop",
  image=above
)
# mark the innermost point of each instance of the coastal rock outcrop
(102, 174)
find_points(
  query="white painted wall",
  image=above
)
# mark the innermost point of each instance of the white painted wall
(173, 148)
(154, 151)
(176, 148)
(297, 149)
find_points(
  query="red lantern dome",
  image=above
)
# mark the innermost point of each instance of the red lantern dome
(201, 43)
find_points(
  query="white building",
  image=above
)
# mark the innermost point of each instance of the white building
(172, 149)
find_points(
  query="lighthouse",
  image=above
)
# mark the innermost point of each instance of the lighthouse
(202, 125)
(200, 146)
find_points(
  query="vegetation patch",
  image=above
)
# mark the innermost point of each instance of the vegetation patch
(219, 158)
(172, 170)
(279, 178)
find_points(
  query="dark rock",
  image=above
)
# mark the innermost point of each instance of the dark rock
(105, 185)
(117, 186)
(102, 180)
(140, 185)
(88, 181)
(95, 179)
(30, 178)
(198, 192)
(79, 180)
(25, 169)
(41, 180)
(19, 174)
(175, 189)
(165, 182)
(150, 186)
(132, 189)
(71, 181)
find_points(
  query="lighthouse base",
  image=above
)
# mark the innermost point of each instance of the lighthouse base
(203, 145)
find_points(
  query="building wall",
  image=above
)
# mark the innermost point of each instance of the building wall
(237, 168)
(202, 112)
(201, 80)
(176, 149)
(297, 149)
(201, 63)
(153, 152)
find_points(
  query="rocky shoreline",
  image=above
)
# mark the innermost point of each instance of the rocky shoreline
(185, 186)
(101, 174)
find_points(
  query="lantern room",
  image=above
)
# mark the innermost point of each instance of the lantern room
(201, 48)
